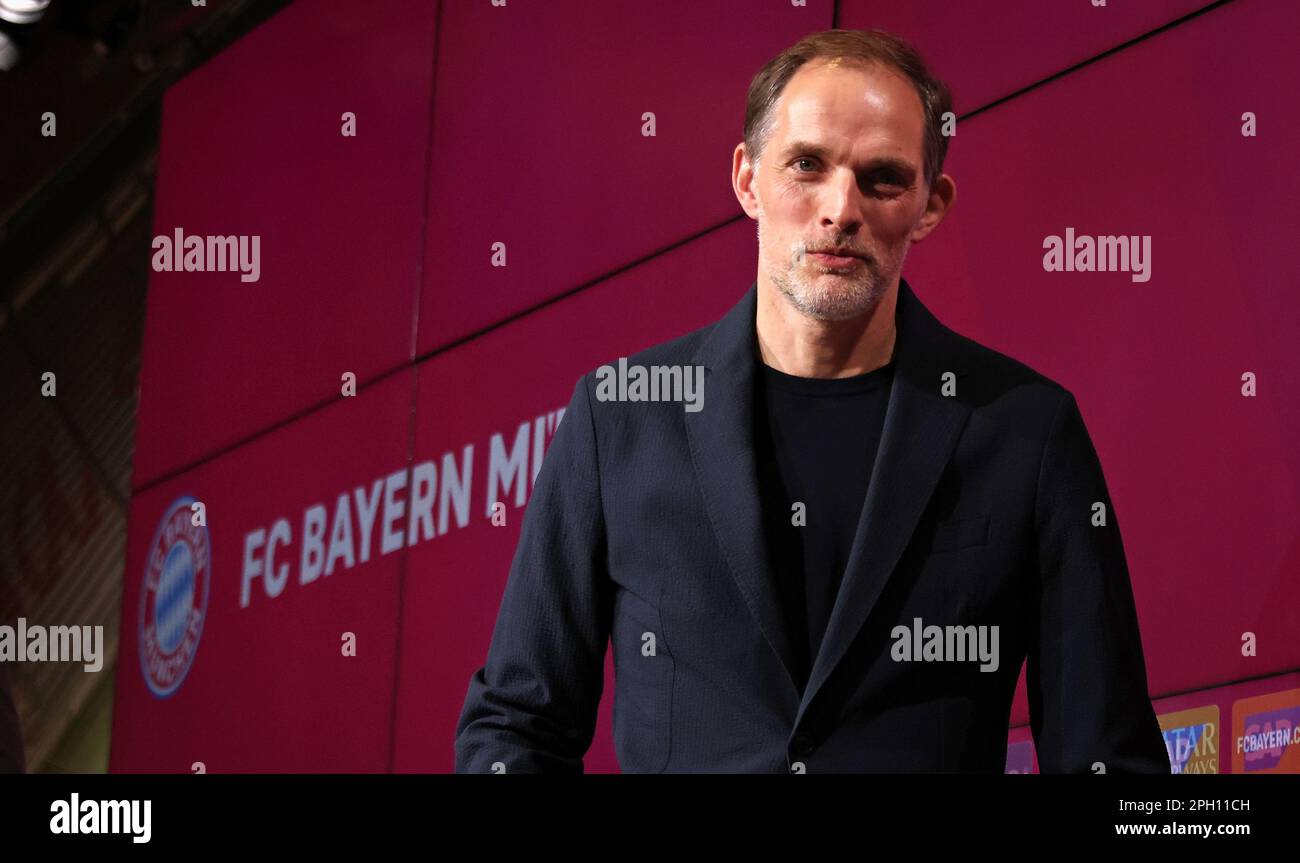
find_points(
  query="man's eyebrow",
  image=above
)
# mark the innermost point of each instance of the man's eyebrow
(799, 148)
(795, 148)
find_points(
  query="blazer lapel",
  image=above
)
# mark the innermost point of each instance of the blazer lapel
(722, 448)
(920, 431)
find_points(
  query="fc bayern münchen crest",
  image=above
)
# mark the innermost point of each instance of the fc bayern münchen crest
(177, 573)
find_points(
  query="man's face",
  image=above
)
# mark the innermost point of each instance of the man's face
(843, 169)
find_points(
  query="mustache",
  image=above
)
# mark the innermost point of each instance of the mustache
(832, 248)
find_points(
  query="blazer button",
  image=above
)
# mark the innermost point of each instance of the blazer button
(803, 744)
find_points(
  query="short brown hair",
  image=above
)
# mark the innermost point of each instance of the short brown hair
(864, 47)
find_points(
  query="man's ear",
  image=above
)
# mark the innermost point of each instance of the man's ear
(942, 195)
(744, 181)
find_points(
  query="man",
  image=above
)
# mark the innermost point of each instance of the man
(840, 563)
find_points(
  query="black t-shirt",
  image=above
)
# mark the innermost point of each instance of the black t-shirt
(815, 442)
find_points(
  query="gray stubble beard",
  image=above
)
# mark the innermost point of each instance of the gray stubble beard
(847, 296)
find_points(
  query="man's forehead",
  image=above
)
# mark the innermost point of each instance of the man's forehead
(873, 94)
(874, 79)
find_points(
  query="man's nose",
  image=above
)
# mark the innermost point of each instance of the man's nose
(841, 202)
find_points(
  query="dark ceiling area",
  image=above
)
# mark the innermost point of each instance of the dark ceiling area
(99, 67)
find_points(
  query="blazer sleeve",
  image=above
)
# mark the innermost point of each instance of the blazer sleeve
(532, 707)
(1086, 675)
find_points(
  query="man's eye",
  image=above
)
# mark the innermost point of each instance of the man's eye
(804, 159)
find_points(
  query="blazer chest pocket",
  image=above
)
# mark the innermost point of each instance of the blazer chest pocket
(957, 533)
(643, 686)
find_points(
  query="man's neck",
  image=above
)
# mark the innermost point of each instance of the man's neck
(793, 343)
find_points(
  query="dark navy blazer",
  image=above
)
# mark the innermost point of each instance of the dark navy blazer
(643, 531)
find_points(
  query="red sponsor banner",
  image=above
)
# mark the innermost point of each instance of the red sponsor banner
(288, 663)
(985, 60)
(306, 137)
